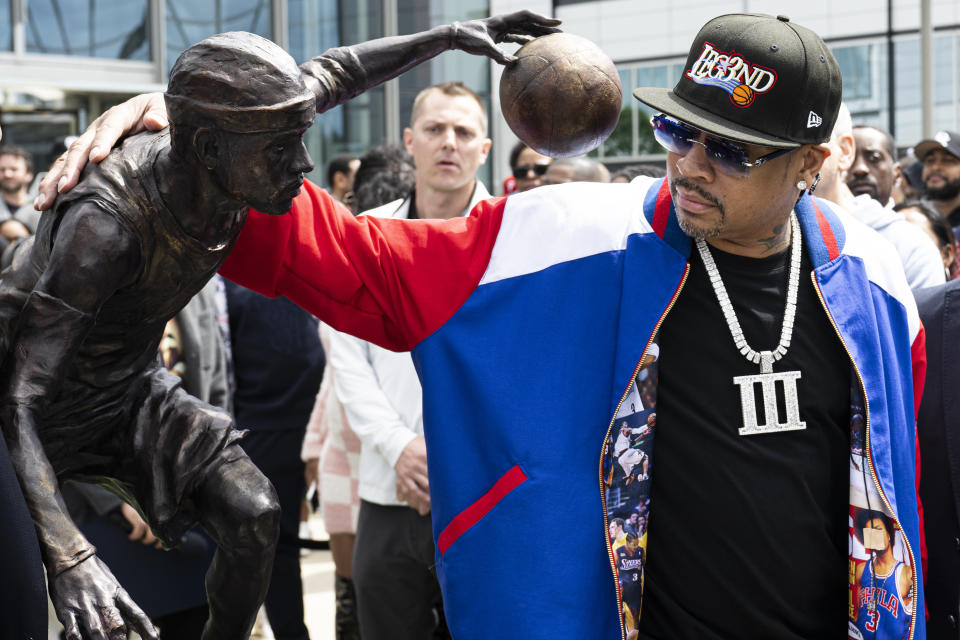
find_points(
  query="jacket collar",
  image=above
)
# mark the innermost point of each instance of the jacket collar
(823, 233)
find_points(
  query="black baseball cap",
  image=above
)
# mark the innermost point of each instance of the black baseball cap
(758, 79)
(948, 140)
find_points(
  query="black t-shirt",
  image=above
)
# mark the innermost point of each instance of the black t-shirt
(747, 534)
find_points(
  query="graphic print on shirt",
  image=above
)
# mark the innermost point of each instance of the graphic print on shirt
(626, 473)
(880, 576)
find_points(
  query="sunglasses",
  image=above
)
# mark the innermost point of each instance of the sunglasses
(729, 157)
(521, 172)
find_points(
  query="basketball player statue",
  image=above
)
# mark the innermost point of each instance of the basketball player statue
(83, 306)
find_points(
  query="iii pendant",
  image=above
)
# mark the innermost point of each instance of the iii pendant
(766, 378)
(771, 415)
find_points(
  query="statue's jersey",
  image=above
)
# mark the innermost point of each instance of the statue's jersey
(117, 414)
(173, 265)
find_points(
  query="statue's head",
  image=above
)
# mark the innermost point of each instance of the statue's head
(239, 103)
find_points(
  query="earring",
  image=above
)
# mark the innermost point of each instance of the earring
(802, 185)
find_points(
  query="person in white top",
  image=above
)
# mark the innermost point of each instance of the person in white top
(859, 175)
(398, 595)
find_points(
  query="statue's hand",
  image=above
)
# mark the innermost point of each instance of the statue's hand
(479, 37)
(90, 603)
(145, 112)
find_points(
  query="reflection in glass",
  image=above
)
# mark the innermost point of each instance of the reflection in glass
(95, 28)
(318, 25)
(190, 21)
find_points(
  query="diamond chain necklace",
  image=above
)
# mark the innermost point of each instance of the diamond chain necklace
(767, 378)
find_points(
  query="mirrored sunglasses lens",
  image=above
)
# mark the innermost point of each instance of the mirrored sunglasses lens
(672, 136)
(727, 158)
(677, 137)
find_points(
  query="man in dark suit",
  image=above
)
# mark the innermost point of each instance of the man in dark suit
(938, 425)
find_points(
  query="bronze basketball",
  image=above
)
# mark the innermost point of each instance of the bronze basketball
(563, 96)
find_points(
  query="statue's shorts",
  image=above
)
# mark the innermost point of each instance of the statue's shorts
(147, 440)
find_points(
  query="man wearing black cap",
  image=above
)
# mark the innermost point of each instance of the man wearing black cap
(529, 322)
(941, 174)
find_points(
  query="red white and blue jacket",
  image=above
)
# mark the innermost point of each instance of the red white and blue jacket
(527, 321)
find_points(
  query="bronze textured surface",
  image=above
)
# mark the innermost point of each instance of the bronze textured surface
(563, 96)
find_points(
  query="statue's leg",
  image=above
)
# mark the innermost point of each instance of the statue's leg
(239, 508)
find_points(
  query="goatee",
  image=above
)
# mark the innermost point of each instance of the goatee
(948, 191)
(685, 223)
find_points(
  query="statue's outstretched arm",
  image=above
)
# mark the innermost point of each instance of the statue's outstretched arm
(345, 72)
(335, 76)
(91, 259)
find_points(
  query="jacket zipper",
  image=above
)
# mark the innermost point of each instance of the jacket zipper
(603, 453)
(869, 455)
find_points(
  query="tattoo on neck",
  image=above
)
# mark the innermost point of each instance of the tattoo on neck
(779, 240)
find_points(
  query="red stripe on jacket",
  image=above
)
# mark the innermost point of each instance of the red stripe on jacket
(661, 210)
(830, 240)
(391, 282)
(476, 511)
(918, 355)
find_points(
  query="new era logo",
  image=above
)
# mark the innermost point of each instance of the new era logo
(813, 120)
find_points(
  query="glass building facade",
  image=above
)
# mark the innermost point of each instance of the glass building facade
(97, 29)
(875, 42)
(189, 21)
(62, 62)
(867, 77)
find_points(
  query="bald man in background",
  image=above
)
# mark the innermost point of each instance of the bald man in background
(576, 170)
(871, 168)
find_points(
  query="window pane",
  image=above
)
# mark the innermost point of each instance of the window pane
(865, 88)
(855, 66)
(908, 92)
(944, 83)
(658, 76)
(943, 71)
(95, 28)
(354, 127)
(190, 21)
(6, 26)
(620, 142)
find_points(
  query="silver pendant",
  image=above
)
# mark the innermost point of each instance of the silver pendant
(768, 383)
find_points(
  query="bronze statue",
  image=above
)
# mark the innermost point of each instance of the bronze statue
(83, 306)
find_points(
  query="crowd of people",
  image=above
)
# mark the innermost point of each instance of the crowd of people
(517, 361)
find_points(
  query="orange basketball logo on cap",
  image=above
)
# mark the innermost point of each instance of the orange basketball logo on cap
(729, 71)
(742, 95)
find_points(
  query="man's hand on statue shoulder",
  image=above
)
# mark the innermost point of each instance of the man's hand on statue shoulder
(413, 486)
(480, 37)
(145, 112)
(90, 603)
